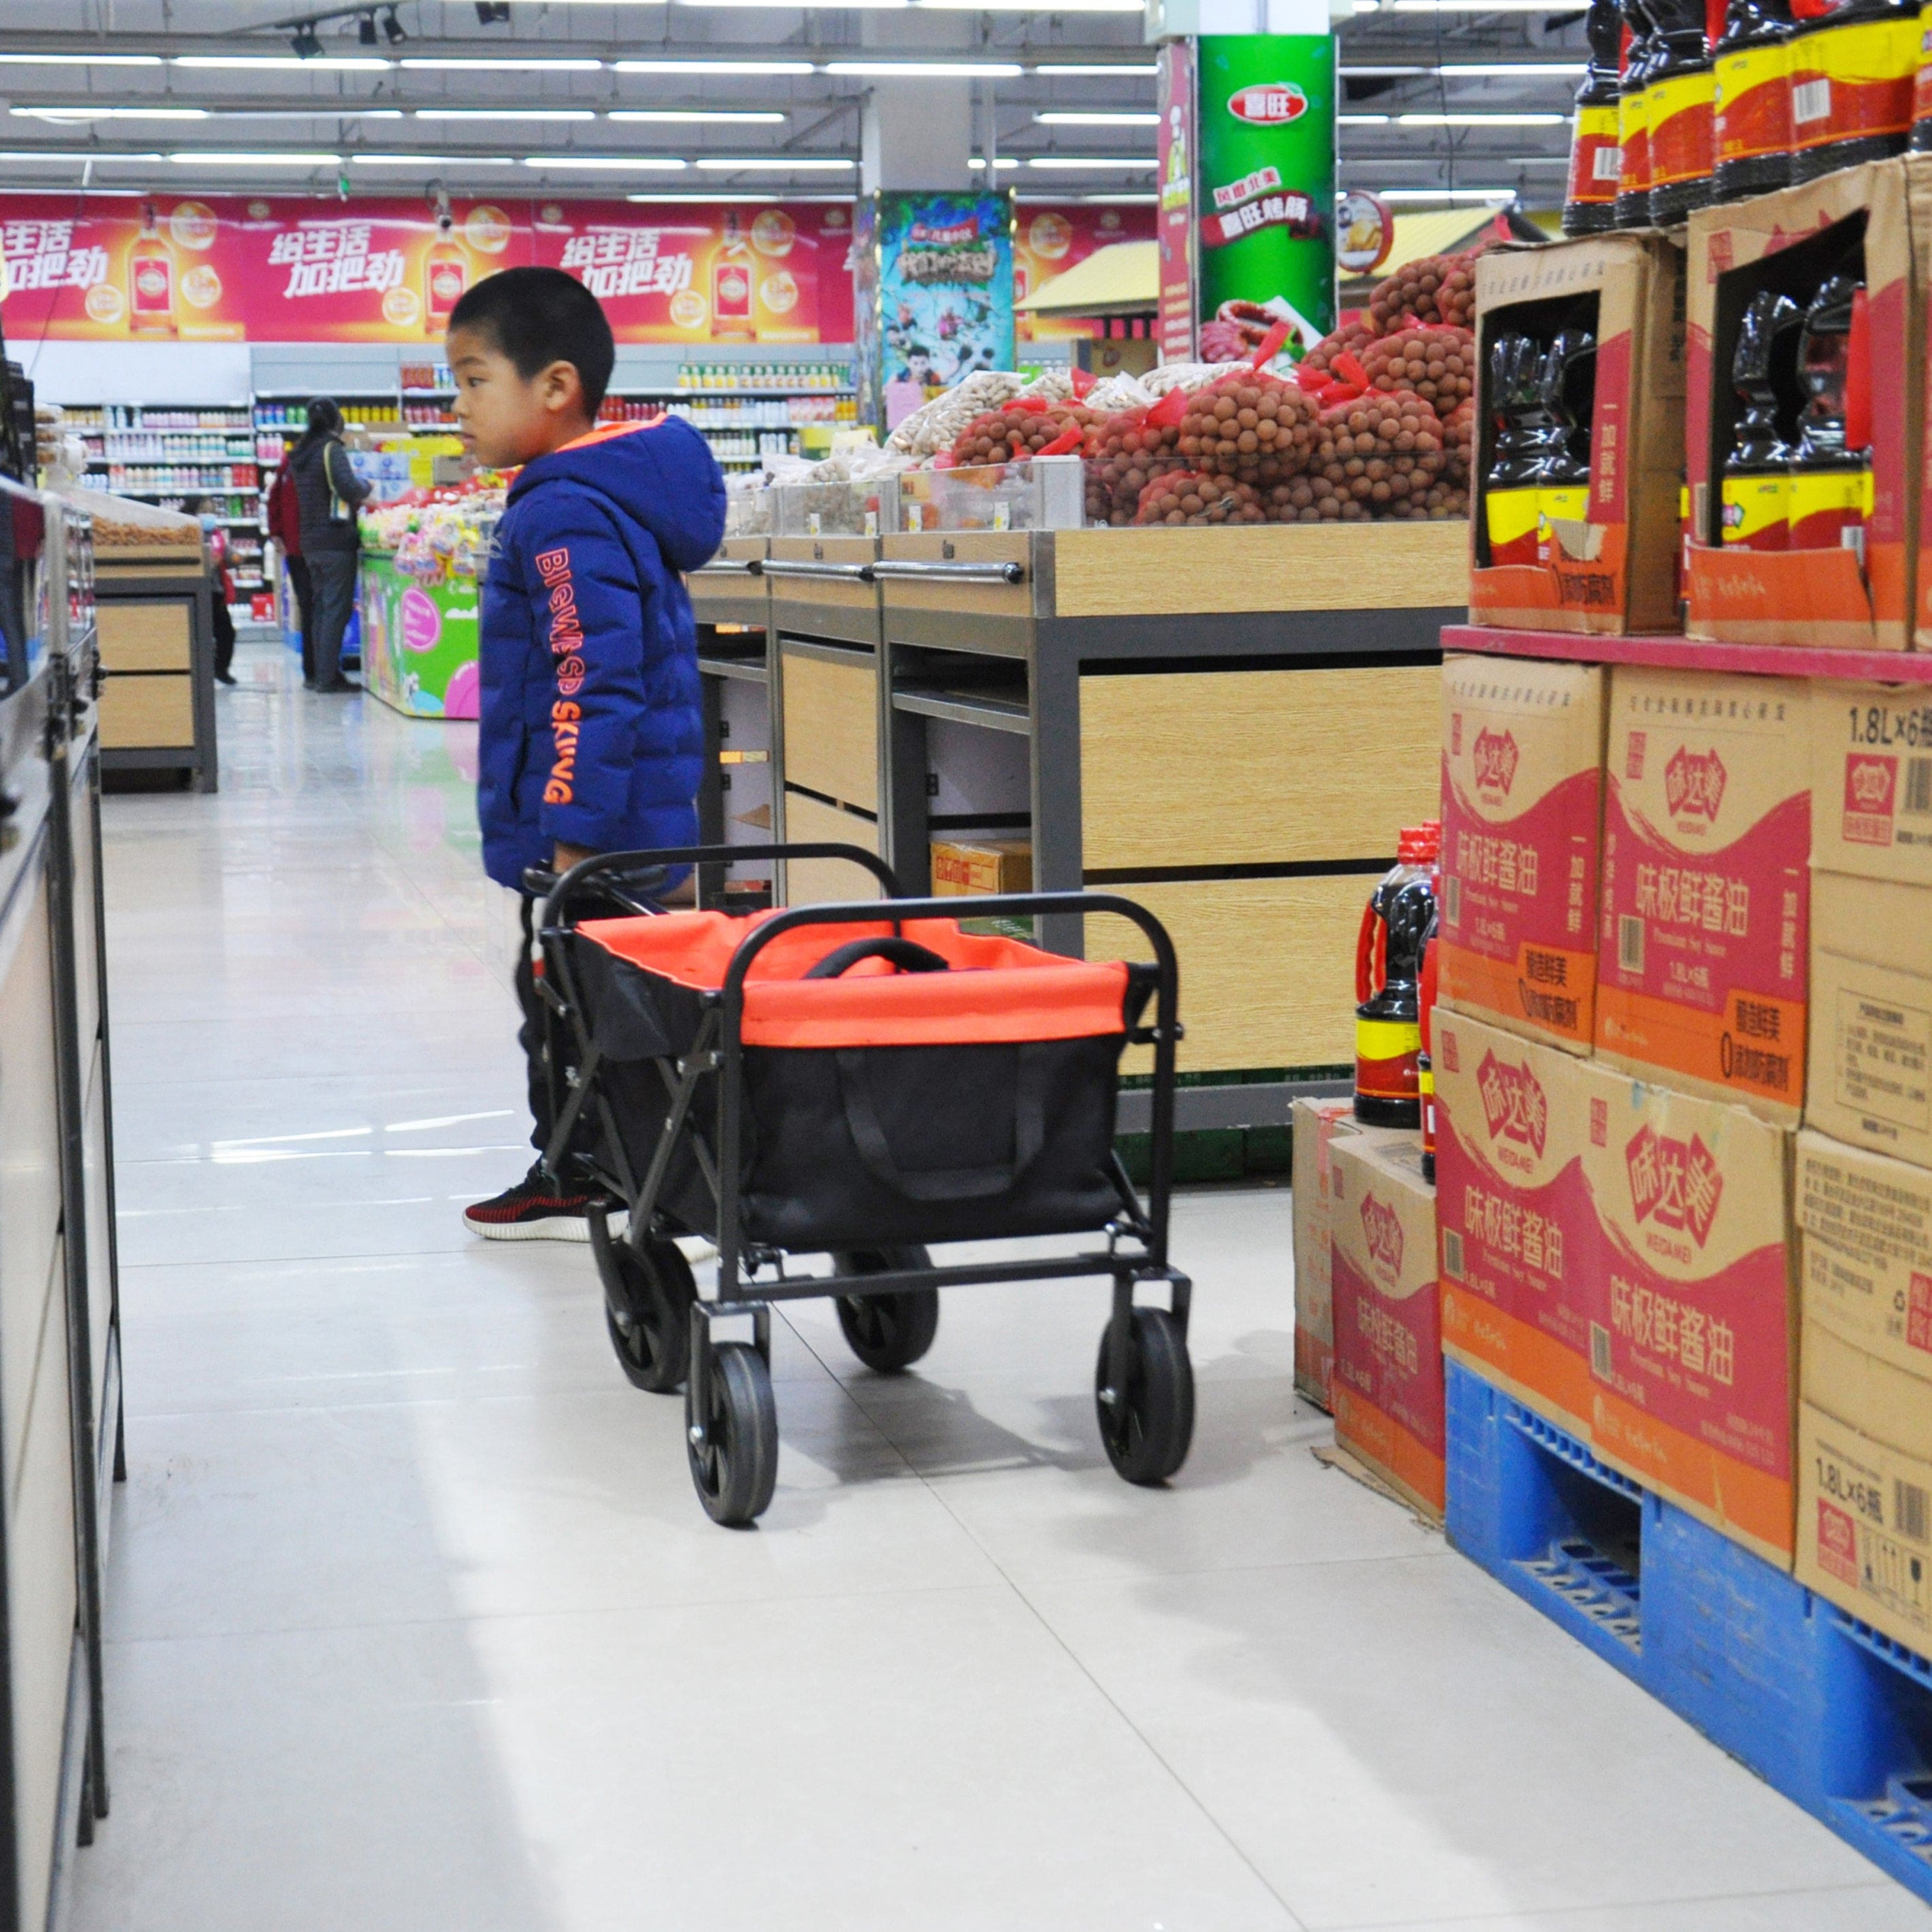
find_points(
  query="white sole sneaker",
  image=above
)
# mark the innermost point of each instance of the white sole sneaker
(572, 1227)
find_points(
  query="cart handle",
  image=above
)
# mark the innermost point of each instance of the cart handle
(852, 573)
(586, 871)
(732, 566)
(912, 570)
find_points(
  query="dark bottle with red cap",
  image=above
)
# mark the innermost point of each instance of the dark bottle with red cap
(1853, 68)
(1831, 468)
(1682, 100)
(1395, 923)
(1752, 60)
(1590, 200)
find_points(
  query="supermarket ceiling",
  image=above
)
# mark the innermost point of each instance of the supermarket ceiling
(713, 98)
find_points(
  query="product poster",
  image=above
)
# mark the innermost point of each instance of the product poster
(945, 291)
(1048, 241)
(1175, 148)
(280, 269)
(1265, 188)
(419, 640)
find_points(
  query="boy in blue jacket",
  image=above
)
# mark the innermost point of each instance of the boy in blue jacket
(591, 739)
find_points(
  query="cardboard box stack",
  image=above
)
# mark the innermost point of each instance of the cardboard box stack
(1387, 1322)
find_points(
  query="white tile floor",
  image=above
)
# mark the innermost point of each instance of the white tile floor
(416, 1625)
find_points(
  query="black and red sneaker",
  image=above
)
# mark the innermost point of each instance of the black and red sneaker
(535, 1210)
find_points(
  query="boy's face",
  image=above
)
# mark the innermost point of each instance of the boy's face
(504, 417)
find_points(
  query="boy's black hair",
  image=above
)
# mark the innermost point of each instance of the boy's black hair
(537, 317)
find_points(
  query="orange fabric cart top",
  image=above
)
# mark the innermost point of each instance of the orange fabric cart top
(998, 991)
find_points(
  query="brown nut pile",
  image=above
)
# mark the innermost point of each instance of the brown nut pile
(1381, 450)
(1459, 439)
(1185, 497)
(1124, 453)
(1438, 363)
(1352, 337)
(1433, 288)
(1005, 435)
(1255, 428)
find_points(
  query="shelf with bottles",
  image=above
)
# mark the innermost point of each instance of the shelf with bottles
(147, 446)
(752, 446)
(765, 412)
(763, 379)
(128, 479)
(373, 408)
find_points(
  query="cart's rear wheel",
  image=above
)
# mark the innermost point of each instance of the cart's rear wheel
(1147, 1425)
(888, 1332)
(732, 1436)
(647, 1301)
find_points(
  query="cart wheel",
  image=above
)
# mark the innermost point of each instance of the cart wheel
(1147, 1425)
(734, 1460)
(888, 1332)
(647, 1301)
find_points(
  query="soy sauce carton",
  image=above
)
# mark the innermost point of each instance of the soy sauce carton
(1582, 453)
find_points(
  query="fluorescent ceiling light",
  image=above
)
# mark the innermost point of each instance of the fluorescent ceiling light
(730, 114)
(229, 157)
(1032, 7)
(432, 160)
(1070, 118)
(1484, 120)
(1361, 120)
(929, 70)
(1477, 7)
(711, 197)
(1474, 70)
(1061, 68)
(70, 116)
(778, 163)
(711, 67)
(71, 157)
(80, 60)
(1087, 161)
(1003, 161)
(1537, 161)
(1118, 200)
(505, 114)
(1447, 193)
(637, 164)
(465, 64)
(286, 63)
(1354, 73)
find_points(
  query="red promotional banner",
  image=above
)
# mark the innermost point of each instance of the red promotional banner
(1048, 241)
(254, 268)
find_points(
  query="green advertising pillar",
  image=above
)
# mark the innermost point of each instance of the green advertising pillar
(1247, 217)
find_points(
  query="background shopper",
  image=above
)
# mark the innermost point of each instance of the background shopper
(327, 491)
(285, 528)
(221, 587)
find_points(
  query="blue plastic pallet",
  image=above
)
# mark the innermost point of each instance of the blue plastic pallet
(1820, 1706)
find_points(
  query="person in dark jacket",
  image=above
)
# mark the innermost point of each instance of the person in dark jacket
(328, 492)
(590, 737)
(285, 527)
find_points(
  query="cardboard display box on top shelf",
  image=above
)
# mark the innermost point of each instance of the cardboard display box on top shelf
(1388, 1315)
(1707, 826)
(1319, 1127)
(1865, 1450)
(1602, 561)
(1522, 767)
(1870, 1080)
(1855, 589)
(1614, 1255)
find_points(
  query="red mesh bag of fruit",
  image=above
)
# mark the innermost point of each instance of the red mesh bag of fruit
(1124, 453)
(1380, 450)
(1433, 288)
(1350, 339)
(1185, 496)
(1436, 362)
(1250, 426)
(1025, 426)
(1458, 441)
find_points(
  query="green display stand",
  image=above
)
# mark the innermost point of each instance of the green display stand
(419, 639)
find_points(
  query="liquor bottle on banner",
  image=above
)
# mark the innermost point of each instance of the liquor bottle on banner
(1754, 120)
(731, 275)
(1590, 204)
(1853, 69)
(1683, 114)
(1830, 470)
(1756, 484)
(1568, 380)
(150, 279)
(445, 276)
(1632, 202)
(1519, 416)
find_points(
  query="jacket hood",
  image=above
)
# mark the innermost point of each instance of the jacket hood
(662, 476)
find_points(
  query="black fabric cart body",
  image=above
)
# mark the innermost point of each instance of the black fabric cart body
(945, 1087)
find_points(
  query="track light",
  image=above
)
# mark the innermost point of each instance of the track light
(365, 31)
(306, 42)
(393, 28)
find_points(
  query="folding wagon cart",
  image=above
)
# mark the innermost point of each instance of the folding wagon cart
(857, 1081)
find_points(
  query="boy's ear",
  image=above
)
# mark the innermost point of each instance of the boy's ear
(560, 385)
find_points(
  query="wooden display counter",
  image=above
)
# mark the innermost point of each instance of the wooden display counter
(157, 632)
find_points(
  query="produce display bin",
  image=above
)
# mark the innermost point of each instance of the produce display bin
(420, 637)
(156, 619)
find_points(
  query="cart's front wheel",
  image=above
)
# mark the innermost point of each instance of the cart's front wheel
(733, 1436)
(647, 1301)
(1147, 1418)
(888, 1332)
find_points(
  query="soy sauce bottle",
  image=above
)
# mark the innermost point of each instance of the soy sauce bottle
(1590, 202)
(1568, 382)
(1756, 484)
(1632, 208)
(1683, 97)
(1753, 61)
(1830, 470)
(1520, 415)
(1853, 67)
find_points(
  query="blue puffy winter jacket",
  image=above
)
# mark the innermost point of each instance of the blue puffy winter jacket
(591, 733)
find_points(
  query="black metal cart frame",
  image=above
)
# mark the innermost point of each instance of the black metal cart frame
(1136, 1250)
